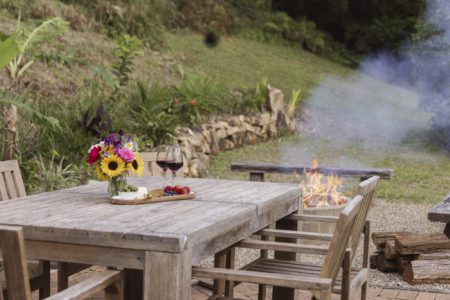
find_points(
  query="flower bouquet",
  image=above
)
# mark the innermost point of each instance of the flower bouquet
(114, 157)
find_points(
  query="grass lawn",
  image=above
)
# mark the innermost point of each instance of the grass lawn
(422, 173)
(241, 63)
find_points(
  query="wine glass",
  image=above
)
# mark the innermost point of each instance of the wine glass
(161, 158)
(174, 160)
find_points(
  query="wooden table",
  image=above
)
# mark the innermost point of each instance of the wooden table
(441, 213)
(163, 239)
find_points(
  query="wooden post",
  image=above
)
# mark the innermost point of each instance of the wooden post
(44, 268)
(256, 176)
(167, 276)
(282, 293)
(346, 275)
(230, 264)
(220, 261)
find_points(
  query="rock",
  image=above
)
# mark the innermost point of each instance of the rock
(281, 123)
(197, 168)
(185, 131)
(263, 119)
(250, 138)
(221, 133)
(238, 139)
(274, 100)
(291, 123)
(273, 132)
(235, 120)
(188, 152)
(207, 135)
(265, 129)
(226, 144)
(197, 141)
(233, 130)
(204, 158)
(214, 146)
(206, 148)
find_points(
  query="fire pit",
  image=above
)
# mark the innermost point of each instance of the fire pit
(322, 195)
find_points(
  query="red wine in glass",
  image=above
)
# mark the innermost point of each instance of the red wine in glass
(174, 160)
(162, 164)
(173, 166)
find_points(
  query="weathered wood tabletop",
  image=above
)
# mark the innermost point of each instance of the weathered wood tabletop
(441, 213)
(162, 239)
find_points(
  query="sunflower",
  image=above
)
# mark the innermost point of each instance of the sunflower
(112, 165)
(137, 165)
(99, 173)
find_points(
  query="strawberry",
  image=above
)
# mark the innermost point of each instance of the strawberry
(168, 189)
(187, 189)
(177, 189)
(184, 191)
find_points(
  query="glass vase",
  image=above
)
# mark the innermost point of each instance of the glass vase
(117, 184)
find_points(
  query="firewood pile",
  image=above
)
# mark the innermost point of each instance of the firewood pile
(418, 258)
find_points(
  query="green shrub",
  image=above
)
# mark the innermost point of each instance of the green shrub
(43, 175)
(199, 97)
(128, 48)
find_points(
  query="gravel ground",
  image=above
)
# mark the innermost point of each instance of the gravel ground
(384, 216)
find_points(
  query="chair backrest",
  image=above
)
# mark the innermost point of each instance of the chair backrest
(341, 238)
(150, 166)
(12, 245)
(366, 190)
(11, 183)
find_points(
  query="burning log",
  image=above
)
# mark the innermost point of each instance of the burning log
(320, 190)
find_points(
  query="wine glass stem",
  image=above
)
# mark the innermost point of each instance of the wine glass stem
(173, 178)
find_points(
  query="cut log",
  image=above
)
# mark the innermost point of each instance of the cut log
(390, 251)
(419, 243)
(386, 265)
(380, 238)
(434, 255)
(428, 271)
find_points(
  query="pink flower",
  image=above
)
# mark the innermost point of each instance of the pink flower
(126, 154)
(94, 154)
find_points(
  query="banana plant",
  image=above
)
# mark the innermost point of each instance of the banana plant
(294, 102)
(14, 50)
(25, 40)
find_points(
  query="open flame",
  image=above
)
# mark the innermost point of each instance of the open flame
(320, 190)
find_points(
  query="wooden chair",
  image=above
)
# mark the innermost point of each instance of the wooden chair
(11, 186)
(291, 274)
(151, 168)
(351, 279)
(12, 245)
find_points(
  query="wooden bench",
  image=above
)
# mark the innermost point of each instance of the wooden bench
(258, 169)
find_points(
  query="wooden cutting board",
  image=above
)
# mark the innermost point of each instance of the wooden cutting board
(153, 199)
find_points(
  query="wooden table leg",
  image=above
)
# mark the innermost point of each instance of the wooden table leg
(167, 276)
(282, 293)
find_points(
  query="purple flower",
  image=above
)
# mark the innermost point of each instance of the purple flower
(126, 154)
(111, 139)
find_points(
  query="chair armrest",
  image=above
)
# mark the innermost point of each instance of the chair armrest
(289, 281)
(94, 284)
(284, 247)
(296, 234)
(312, 218)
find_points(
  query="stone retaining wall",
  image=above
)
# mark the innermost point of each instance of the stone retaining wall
(229, 132)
